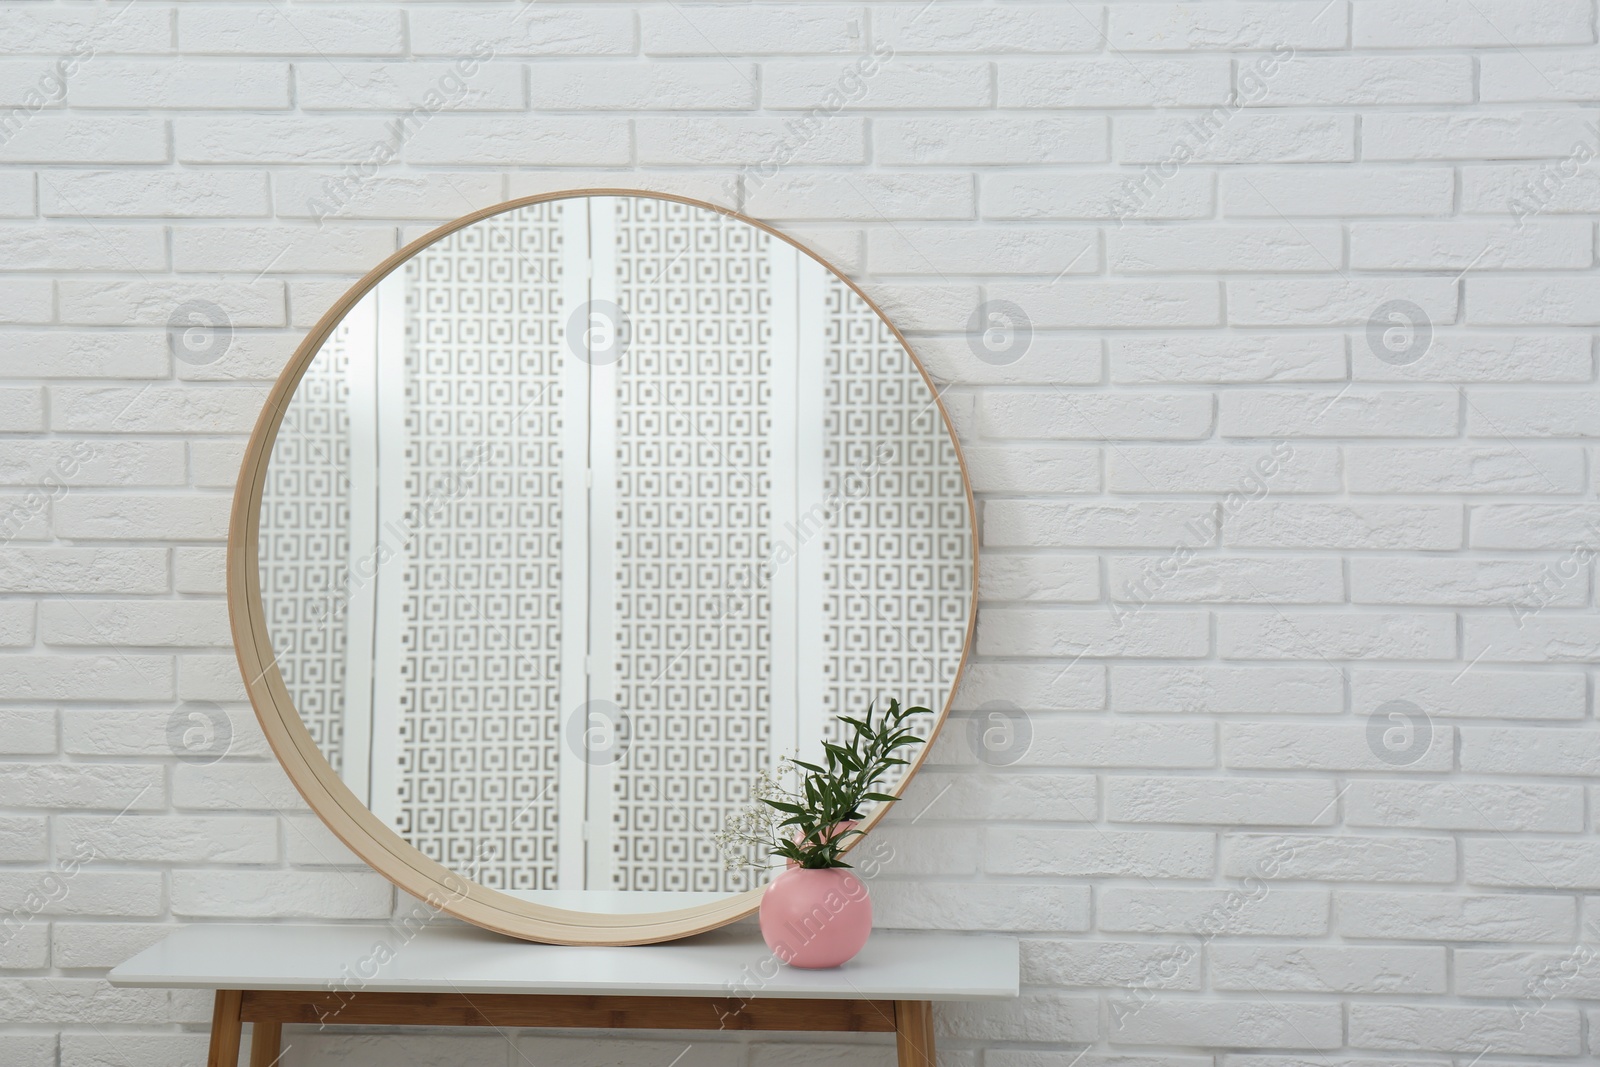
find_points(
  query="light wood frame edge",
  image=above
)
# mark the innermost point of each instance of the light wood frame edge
(343, 813)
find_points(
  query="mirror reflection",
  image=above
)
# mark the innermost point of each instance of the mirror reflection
(584, 515)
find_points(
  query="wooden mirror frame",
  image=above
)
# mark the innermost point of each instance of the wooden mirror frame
(438, 887)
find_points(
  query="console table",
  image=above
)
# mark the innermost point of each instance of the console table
(449, 974)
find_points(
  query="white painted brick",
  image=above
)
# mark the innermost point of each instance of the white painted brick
(22, 408)
(1087, 304)
(56, 137)
(1220, 801)
(1507, 77)
(143, 732)
(1471, 134)
(1464, 1028)
(434, 195)
(16, 194)
(911, 28)
(1491, 24)
(1319, 969)
(1573, 752)
(1038, 687)
(1353, 525)
(928, 850)
(74, 354)
(1231, 1023)
(1106, 82)
(1451, 917)
(1275, 192)
(438, 1050)
(1247, 471)
(134, 622)
(1215, 912)
(92, 463)
(168, 839)
(17, 624)
(1536, 301)
(1057, 579)
(220, 894)
(986, 250)
(532, 30)
(27, 731)
(83, 570)
(1536, 413)
(932, 905)
(1323, 746)
(1517, 973)
(1479, 357)
(1466, 806)
(1348, 302)
(1308, 635)
(189, 409)
(1332, 413)
(1461, 245)
(207, 677)
(1476, 581)
(896, 83)
(27, 948)
(1093, 632)
(1091, 964)
(198, 570)
(83, 1001)
(1030, 469)
(1480, 693)
(1227, 359)
(1228, 25)
(91, 676)
(1341, 857)
(1463, 469)
(798, 195)
(1224, 249)
(450, 140)
(1334, 80)
(1138, 580)
(772, 29)
(215, 465)
(1236, 136)
(26, 301)
(1558, 527)
(1531, 638)
(1094, 195)
(1081, 415)
(133, 1049)
(1219, 690)
(1034, 1016)
(1554, 187)
(32, 30)
(467, 84)
(286, 139)
(253, 28)
(946, 140)
(166, 83)
(91, 516)
(1079, 742)
(233, 786)
(23, 840)
(1100, 853)
(90, 890)
(610, 85)
(763, 144)
(257, 249)
(1037, 523)
(85, 248)
(152, 303)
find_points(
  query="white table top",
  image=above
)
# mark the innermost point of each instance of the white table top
(452, 957)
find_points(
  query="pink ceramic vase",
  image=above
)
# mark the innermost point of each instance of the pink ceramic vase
(816, 917)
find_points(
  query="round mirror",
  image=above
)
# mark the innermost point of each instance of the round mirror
(566, 522)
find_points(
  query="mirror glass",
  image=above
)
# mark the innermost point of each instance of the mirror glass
(583, 515)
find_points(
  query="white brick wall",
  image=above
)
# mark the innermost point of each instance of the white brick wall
(1287, 483)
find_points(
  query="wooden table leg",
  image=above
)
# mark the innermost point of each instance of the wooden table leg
(266, 1044)
(913, 1033)
(225, 1029)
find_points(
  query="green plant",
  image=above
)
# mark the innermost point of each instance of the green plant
(802, 825)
